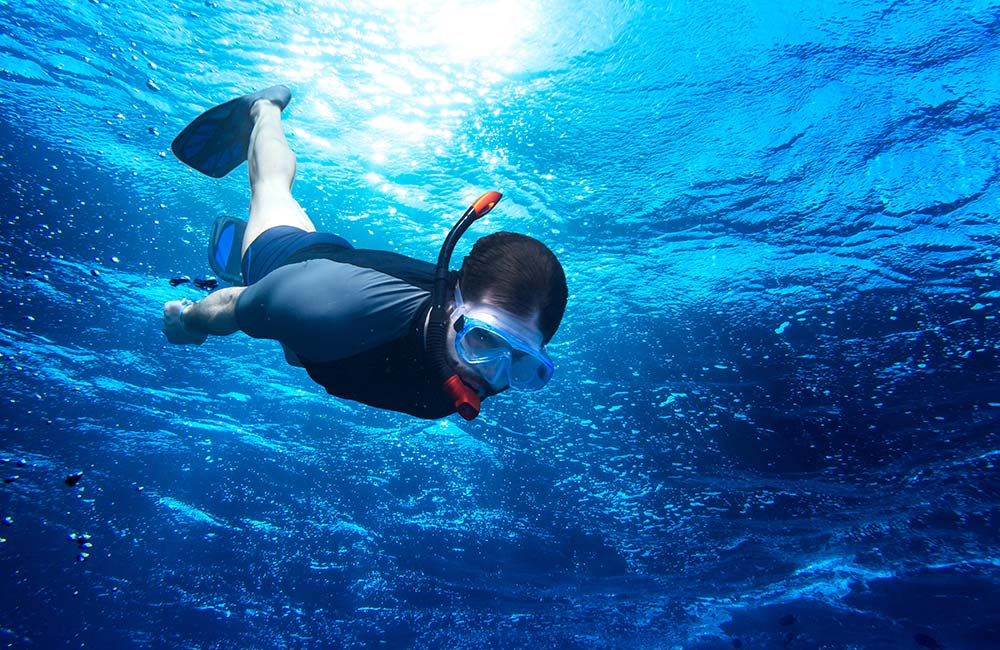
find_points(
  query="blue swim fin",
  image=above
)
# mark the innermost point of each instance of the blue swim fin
(224, 249)
(216, 142)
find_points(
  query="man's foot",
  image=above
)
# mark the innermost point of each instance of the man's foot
(279, 95)
(216, 142)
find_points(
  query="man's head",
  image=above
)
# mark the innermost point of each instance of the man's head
(509, 302)
(518, 274)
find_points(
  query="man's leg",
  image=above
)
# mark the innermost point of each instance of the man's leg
(272, 170)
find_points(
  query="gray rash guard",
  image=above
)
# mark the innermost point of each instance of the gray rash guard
(355, 318)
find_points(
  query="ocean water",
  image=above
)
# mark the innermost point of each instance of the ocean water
(774, 422)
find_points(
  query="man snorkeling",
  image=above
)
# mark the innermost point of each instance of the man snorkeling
(368, 325)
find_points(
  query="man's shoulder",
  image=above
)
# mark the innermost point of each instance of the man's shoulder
(402, 267)
(327, 309)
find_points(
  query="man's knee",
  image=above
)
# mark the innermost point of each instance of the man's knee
(274, 209)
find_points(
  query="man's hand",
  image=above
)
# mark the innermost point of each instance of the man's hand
(173, 325)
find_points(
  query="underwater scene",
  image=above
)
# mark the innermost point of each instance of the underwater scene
(773, 420)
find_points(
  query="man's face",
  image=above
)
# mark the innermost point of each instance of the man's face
(489, 379)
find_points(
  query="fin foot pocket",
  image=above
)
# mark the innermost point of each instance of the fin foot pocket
(216, 142)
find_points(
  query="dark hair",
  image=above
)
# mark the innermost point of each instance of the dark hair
(519, 274)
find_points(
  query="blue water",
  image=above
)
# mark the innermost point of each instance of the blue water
(775, 417)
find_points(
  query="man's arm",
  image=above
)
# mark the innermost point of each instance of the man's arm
(186, 322)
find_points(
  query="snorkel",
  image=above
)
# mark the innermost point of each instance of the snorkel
(466, 400)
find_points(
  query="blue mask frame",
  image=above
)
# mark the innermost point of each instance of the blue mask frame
(497, 346)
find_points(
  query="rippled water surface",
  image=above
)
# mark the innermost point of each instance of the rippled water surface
(774, 422)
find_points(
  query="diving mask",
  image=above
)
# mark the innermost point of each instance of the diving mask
(502, 349)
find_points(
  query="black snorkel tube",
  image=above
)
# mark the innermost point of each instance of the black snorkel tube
(465, 399)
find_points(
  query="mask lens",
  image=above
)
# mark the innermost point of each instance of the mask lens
(502, 361)
(481, 343)
(528, 371)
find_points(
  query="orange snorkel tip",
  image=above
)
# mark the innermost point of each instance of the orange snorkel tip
(485, 203)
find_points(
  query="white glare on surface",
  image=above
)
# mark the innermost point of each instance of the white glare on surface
(394, 75)
(394, 80)
(468, 31)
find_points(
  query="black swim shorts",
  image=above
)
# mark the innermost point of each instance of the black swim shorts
(276, 246)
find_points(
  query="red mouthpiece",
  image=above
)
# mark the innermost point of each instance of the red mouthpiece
(467, 402)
